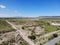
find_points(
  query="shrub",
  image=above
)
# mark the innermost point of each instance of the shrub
(41, 44)
(32, 37)
(23, 28)
(55, 35)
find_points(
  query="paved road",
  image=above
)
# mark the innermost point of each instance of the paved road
(46, 35)
(52, 42)
(21, 34)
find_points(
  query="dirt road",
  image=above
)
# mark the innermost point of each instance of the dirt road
(21, 34)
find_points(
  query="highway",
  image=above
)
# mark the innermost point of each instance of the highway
(52, 42)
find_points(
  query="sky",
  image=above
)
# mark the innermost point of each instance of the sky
(29, 8)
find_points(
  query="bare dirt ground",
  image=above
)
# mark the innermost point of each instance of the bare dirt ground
(7, 37)
(22, 34)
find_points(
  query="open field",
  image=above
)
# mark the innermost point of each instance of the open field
(37, 31)
(8, 35)
(7, 38)
(44, 23)
(34, 29)
(5, 27)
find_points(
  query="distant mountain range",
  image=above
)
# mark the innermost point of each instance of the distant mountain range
(49, 17)
(35, 17)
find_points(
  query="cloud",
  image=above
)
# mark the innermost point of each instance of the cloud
(2, 6)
